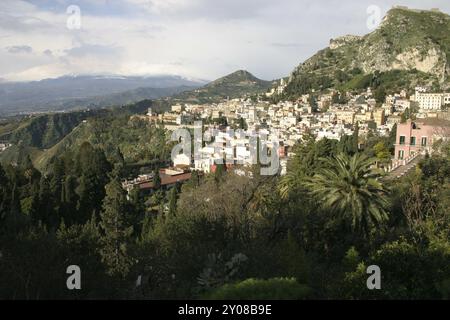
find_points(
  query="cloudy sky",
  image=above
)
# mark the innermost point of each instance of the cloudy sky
(202, 39)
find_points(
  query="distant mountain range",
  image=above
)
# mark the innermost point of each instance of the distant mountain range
(78, 92)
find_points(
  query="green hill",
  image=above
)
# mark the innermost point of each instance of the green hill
(15, 153)
(410, 47)
(45, 136)
(46, 130)
(238, 84)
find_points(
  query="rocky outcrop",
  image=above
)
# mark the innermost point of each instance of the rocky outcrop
(405, 40)
(433, 61)
(342, 41)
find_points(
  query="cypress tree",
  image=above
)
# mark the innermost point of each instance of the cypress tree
(56, 181)
(94, 168)
(116, 231)
(355, 139)
(173, 201)
(69, 198)
(157, 179)
(220, 172)
(4, 184)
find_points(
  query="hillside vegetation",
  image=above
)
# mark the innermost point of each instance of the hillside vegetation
(410, 47)
(238, 84)
(46, 136)
(46, 130)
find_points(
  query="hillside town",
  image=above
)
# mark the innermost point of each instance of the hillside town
(140, 159)
(232, 123)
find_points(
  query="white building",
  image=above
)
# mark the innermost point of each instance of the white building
(177, 108)
(181, 160)
(204, 164)
(431, 101)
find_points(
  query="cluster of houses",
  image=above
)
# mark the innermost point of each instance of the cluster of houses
(281, 125)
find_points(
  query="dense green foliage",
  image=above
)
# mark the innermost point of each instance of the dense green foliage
(309, 234)
(348, 186)
(46, 130)
(115, 131)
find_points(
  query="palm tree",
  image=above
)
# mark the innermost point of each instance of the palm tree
(290, 183)
(350, 187)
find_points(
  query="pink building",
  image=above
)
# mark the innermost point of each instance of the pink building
(414, 137)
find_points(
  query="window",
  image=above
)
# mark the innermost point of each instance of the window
(401, 154)
(402, 139)
(413, 141)
(424, 141)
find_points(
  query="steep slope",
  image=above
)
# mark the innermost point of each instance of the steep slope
(46, 130)
(237, 84)
(409, 39)
(46, 136)
(412, 45)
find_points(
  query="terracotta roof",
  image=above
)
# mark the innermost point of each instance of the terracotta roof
(167, 180)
